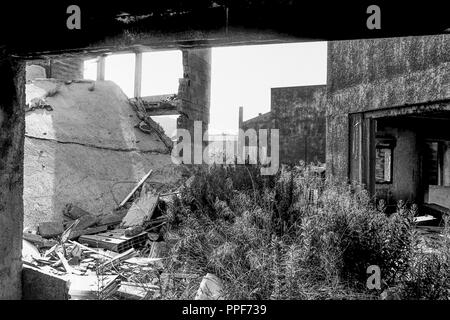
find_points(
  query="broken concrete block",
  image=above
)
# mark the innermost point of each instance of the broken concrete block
(211, 288)
(50, 229)
(39, 241)
(85, 222)
(38, 284)
(74, 212)
(78, 233)
(141, 211)
(111, 219)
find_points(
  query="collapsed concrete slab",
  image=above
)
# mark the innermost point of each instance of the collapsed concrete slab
(87, 149)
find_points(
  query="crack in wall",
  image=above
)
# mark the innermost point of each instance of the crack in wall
(98, 147)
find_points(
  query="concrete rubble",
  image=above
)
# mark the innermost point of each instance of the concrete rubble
(83, 146)
(95, 194)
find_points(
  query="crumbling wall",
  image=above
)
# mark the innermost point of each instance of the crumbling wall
(299, 114)
(195, 89)
(380, 73)
(12, 122)
(85, 147)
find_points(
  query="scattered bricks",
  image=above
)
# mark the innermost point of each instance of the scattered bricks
(50, 229)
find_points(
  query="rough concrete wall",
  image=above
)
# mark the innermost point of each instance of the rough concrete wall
(299, 114)
(12, 127)
(380, 73)
(87, 151)
(66, 69)
(195, 89)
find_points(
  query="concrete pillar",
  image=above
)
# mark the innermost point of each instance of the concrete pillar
(101, 68)
(138, 75)
(241, 117)
(12, 129)
(195, 90)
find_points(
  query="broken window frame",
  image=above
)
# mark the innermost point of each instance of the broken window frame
(385, 144)
(443, 146)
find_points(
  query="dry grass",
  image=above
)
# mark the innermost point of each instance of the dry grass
(291, 236)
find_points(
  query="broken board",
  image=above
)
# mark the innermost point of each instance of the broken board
(144, 178)
(141, 211)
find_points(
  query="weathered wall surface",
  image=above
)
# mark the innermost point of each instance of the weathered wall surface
(12, 123)
(86, 151)
(195, 89)
(66, 69)
(299, 114)
(263, 121)
(380, 73)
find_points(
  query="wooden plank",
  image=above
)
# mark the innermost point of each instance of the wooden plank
(119, 258)
(77, 233)
(91, 250)
(111, 219)
(66, 265)
(141, 182)
(38, 240)
(141, 211)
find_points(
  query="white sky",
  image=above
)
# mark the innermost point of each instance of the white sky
(244, 75)
(240, 76)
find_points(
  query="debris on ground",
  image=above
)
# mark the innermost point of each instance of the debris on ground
(118, 255)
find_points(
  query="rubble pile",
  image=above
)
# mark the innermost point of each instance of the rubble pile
(111, 256)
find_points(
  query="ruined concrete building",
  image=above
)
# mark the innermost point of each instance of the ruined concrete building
(380, 96)
(386, 110)
(299, 114)
(388, 117)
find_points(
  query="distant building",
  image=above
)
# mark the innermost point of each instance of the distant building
(299, 114)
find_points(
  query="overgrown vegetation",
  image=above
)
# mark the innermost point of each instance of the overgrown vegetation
(297, 236)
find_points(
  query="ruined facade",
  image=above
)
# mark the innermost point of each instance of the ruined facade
(195, 89)
(387, 110)
(299, 114)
